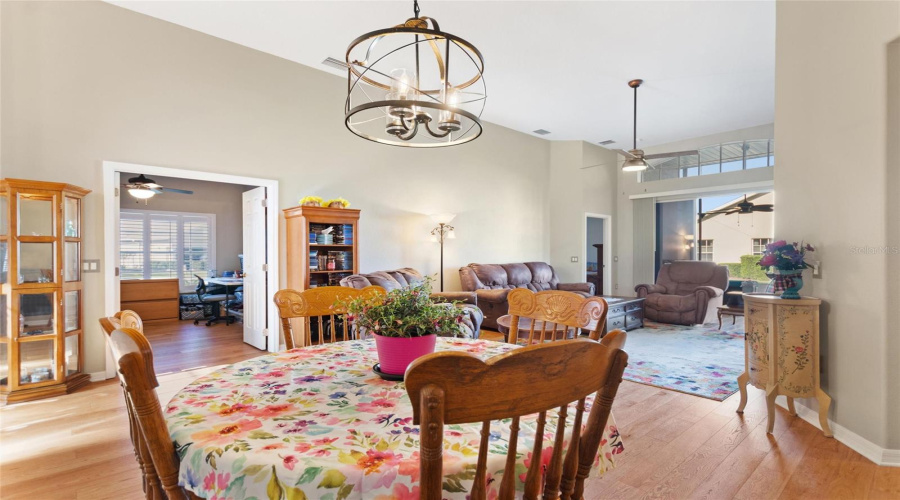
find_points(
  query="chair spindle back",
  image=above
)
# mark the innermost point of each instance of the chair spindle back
(317, 306)
(561, 372)
(560, 314)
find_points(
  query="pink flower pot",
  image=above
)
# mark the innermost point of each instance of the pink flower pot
(396, 353)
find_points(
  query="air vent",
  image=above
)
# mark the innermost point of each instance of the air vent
(541, 131)
(335, 63)
(606, 143)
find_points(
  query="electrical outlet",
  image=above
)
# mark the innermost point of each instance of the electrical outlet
(574, 259)
(616, 258)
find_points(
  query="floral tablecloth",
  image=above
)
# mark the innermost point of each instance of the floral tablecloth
(315, 422)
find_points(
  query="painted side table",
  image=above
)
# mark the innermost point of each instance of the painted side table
(781, 353)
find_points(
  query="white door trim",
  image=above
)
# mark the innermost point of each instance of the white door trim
(110, 206)
(607, 249)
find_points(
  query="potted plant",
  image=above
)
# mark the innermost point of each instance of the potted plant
(405, 323)
(788, 261)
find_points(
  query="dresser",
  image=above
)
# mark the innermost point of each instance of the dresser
(781, 353)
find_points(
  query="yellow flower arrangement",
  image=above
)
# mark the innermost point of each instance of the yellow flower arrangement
(344, 203)
(311, 201)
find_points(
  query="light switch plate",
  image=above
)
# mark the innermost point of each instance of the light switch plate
(91, 265)
(574, 259)
(816, 269)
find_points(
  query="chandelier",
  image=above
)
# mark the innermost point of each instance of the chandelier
(414, 85)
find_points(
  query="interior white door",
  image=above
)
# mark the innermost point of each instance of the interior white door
(255, 269)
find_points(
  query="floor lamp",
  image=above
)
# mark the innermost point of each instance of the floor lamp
(443, 231)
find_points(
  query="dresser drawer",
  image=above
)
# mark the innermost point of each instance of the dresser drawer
(634, 306)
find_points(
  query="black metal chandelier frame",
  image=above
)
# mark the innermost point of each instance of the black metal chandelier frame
(414, 118)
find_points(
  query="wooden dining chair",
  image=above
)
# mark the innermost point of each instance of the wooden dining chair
(133, 355)
(318, 306)
(150, 481)
(558, 312)
(560, 373)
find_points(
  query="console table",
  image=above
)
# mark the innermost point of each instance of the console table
(781, 353)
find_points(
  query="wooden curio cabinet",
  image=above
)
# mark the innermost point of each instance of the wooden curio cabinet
(41, 320)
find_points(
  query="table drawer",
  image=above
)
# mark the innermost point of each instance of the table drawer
(634, 306)
(615, 323)
(616, 310)
(634, 319)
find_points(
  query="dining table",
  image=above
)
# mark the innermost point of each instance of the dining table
(317, 422)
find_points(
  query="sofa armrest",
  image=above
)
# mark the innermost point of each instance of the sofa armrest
(708, 292)
(646, 289)
(577, 287)
(496, 296)
(461, 297)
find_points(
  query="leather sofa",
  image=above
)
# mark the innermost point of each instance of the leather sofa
(401, 278)
(686, 292)
(492, 283)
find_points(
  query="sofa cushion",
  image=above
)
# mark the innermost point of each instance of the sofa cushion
(491, 275)
(542, 276)
(383, 279)
(518, 275)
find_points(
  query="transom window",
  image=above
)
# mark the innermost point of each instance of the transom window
(759, 245)
(160, 245)
(706, 250)
(725, 157)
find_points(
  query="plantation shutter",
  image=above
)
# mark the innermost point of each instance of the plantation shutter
(197, 238)
(131, 246)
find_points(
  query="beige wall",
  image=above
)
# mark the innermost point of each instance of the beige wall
(223, 200)
(575, 191)
(837, 188)
(84, 82)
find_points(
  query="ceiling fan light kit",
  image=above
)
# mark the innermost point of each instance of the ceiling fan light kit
(144, 188)
(414, 85)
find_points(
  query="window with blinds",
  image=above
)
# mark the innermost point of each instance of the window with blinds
(158, 245)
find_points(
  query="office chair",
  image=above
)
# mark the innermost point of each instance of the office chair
(213, 296)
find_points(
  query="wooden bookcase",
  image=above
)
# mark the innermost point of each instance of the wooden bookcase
(300, 222)
(41, 304)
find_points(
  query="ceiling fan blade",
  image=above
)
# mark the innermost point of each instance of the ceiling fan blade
(624, 153)
(173, 190)
(763, 205)
(764, 209)
(693, 152)
(157, 191)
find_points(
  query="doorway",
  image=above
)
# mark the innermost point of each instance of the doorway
(217, 250)
(597, 254)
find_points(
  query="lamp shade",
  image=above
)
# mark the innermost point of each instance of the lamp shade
(442, 218)
(634, 165)
(141, 193)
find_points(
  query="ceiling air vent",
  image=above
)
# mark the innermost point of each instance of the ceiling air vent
(606, 143)
(335, 63)
(541, 131)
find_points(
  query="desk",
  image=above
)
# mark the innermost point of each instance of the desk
(316, 419)
(226, 282)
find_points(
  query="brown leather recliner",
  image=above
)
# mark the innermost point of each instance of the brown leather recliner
(492, 283)
(686, 292)
(407, 276)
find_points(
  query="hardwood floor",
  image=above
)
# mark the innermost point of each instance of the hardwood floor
(676, 445)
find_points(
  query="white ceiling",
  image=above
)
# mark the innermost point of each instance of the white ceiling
(708, 67)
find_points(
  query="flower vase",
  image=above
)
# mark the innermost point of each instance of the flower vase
(791, 281)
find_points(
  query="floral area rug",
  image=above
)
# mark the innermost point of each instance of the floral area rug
(700, 360)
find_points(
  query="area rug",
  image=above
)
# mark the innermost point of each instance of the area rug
(700, 360)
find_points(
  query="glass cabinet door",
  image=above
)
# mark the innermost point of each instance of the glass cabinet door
(71, 224)
(4, 215)
(37, 314)
(37, 361)
(72, 355)
(36, 216)
(37, 262)
(72, 266)
(4, 363)
(71, 309)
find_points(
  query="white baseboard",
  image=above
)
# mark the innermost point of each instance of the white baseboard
(98, 376)
(854, 441)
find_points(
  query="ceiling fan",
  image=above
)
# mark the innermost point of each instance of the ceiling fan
(635, 158)
(144, 188)
(743, 207)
